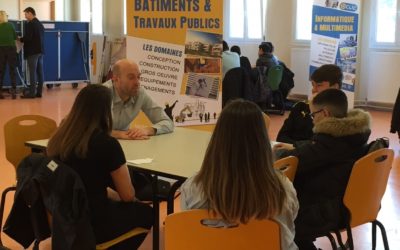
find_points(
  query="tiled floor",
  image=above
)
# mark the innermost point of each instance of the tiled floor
(56, 102)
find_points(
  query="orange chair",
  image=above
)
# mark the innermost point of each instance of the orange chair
(288, 166)
(364, 192)
(16, 132)
(199, 230)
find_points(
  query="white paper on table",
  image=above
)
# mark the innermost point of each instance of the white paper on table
(141, 161)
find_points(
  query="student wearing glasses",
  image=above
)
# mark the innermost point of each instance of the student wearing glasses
(298, 126)
(325, 164)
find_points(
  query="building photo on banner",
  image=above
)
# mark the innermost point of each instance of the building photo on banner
(178, 49)
(335, 38)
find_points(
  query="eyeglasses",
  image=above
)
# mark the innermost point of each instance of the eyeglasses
(312, 115)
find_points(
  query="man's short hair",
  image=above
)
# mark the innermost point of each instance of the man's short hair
(328, 72)
(236, 49)
(335, 100)
(265, 47)
(225, 46)
(30, 10)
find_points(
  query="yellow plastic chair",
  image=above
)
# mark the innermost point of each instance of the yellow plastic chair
(198, 230)
(288, 166)
(364, 192)
(16, 132)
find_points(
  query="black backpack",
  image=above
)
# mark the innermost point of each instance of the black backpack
(261, 91)
(382, 142)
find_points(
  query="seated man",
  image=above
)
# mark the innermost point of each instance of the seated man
(230, 59)
(128, 99)
(325, 164)
(265, 56)
(298, 126)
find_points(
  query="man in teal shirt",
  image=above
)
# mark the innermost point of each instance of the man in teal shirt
(8, 53)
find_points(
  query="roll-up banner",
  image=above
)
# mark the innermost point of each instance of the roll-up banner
(177, 45)
(335, 39)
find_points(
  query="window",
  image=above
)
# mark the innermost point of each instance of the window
(245, 19)
(59, 10)
(303, 19)
(97, 19)
(386, 21)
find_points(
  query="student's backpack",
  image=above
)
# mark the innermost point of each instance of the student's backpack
(382, 142)
(262, 91)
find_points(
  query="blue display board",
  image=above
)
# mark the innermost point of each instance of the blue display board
(66, 56)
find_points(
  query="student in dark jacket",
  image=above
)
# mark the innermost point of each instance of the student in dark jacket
(325, 164)
(298, 126)
(84, 142)
(33, 40)
(265, 56)
(244, 61)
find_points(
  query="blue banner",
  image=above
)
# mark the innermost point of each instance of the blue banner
(335, 38)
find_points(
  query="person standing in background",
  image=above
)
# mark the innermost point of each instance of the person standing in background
(230, 59)
(8, 53)
(33, 40)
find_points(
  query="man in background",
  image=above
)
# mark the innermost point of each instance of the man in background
(33, 40)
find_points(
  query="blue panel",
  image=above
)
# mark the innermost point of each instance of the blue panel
(73, 53)
(50, 61)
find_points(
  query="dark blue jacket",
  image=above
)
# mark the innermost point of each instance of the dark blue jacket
(46, 185)
(33, 38)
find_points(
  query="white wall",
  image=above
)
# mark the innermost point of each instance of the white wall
(42, 8)
(11, 7)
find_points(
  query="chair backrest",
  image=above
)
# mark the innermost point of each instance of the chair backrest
(233, 85)
(288, 166)
(274, 77)
(25, 128)
(367, 185)
(186, 230)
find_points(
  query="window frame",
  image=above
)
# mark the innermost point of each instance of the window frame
(245, 39)
(383, 46)
(295, 41)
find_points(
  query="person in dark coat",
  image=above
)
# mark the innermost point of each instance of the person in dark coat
(395, 123)
(325, 163)
(244, 60)
(33, 40)
(265, 56)
(298, 126)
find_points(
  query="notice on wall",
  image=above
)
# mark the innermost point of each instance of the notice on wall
(335, 39)
(178, 46)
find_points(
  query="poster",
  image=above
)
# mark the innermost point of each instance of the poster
(335, 39)
(178, 46)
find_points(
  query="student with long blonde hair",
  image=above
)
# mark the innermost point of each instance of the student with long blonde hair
(237, 179)
(8, 53)
(83, 141)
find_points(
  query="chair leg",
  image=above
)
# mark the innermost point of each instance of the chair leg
(36, 245)
(340, 241)
(332, 240)
(383, 232)
(349, 238)
(3, 201)
(171, 196)
(373, 235)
